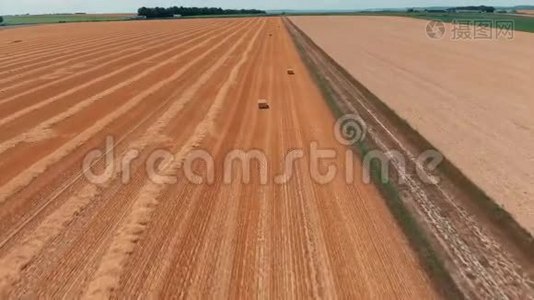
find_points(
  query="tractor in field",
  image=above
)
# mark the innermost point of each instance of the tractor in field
(290, 71)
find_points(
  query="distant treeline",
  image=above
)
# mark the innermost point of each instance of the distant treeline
(160, 12)
(481, 8)
(477, 9)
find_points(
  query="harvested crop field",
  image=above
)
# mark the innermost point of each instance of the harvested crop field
(471, 99)
(83, 97)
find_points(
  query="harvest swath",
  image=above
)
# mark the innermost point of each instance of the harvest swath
(179, 86)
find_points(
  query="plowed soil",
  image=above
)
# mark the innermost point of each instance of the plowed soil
(178, 86)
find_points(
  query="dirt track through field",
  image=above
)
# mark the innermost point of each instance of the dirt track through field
(64, 236)
(471, 99)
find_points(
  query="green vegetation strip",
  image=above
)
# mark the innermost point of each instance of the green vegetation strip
(68, 18)
(525, 24)
(432, 263)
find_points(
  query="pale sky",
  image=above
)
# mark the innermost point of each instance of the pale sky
(93, 6)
